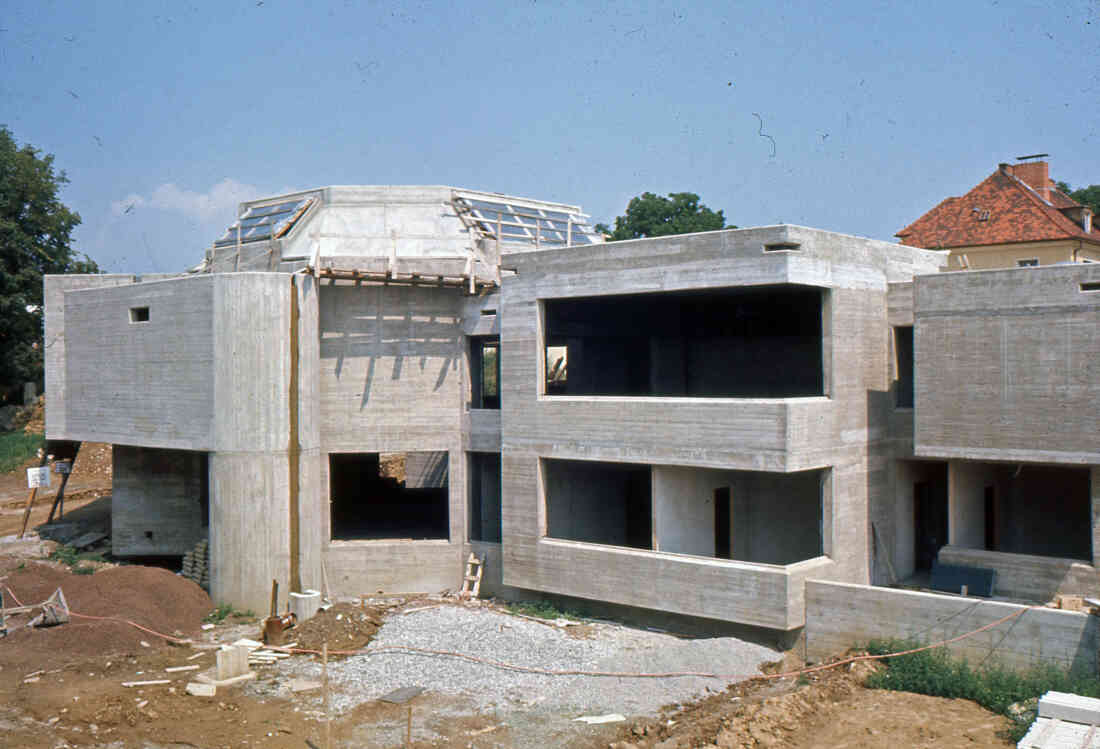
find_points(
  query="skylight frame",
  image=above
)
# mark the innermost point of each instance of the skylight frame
(265, 221)
(524, 222)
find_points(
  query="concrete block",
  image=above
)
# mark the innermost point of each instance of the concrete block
(199, 689)
(232, 661)
(1069, 707)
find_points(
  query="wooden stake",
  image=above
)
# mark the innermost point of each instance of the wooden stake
(409, 729)
(328, 717)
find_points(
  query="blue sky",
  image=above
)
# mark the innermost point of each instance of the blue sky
(165, 115)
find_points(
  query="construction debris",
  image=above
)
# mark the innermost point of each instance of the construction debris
(54, 610)
(199, 689)
(595, 720)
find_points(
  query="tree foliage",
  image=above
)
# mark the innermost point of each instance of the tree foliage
(650, 215)
(1089, 196)
(35, 232)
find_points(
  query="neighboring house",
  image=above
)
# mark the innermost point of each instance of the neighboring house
(372, 382)
(1015, 217)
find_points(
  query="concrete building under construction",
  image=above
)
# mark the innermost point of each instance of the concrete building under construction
(367, 383)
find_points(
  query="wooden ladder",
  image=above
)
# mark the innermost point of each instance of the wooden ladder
(471, 581)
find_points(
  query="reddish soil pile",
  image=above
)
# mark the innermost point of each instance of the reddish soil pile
(343, 627)
(152, 597)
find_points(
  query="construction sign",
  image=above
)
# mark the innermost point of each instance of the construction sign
(38, 477)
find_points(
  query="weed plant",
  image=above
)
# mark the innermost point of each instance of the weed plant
(542, 610)
(994, 687)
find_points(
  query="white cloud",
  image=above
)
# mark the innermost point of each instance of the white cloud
(218, 203)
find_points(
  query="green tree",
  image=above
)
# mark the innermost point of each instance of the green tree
(1089, 196)
(650, 215)
(35, 231)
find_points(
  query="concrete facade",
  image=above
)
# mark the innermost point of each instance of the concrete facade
(842, 434)
(253, 402)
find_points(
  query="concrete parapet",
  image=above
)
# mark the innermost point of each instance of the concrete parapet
(1026, 576)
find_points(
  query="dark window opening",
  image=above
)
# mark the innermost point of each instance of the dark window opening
(903, 345)
(139, 314)
(1090, 286)
(782, 246)
(389, 495)
(722, 523)
(1030, 262)
(485, 372)
(732, 343)
(484, 502)
(990, 518)
(930, 516)
(603, 503)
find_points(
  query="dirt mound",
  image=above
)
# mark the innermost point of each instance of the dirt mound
(151, 597)
(344, 627)
(798, 715)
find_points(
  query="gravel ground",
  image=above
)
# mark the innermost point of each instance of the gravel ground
(498, 636)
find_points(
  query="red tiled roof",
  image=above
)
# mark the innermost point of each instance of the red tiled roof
(1000, 210)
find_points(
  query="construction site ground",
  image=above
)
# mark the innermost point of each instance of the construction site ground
(64, 686)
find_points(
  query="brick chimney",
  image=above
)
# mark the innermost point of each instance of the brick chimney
(1036, 175)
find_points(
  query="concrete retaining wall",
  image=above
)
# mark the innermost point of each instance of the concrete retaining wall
(841, 616)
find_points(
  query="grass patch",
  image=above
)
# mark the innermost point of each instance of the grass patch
(70, 557)
(542, 610)
(16, 447)
(997, 689)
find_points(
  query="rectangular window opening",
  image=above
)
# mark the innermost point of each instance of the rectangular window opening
(903, 386)
(1029, 262)
(763, 342)
(603, 503)
(139, 314)
(389, 495)
(1090, 285)
(782, 247)
(1029, 509)
(485, 372)
(484, 497)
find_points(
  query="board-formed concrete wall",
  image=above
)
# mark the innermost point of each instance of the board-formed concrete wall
(1026, 577)
(393, 378)
(1008, 365)
(54, 350)
(840, 616)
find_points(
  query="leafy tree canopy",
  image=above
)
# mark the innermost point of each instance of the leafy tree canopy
(35, 231)
(1089, 196)
(650, 215)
